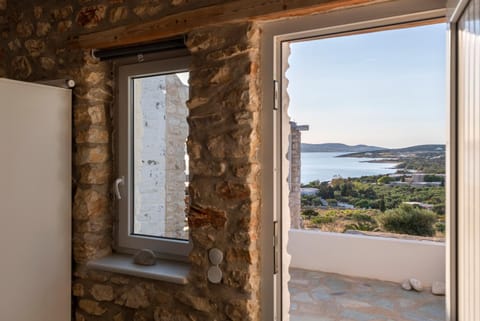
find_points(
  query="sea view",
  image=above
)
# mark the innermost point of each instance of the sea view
(324, 166)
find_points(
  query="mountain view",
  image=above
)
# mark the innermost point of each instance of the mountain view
(337, 147)
(389, 152)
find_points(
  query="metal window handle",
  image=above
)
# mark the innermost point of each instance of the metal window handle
(119, 181)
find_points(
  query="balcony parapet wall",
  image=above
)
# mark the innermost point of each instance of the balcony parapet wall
(380, 258)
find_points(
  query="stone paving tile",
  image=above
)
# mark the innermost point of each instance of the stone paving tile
(319, 296)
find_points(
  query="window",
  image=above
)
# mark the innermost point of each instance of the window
(153, 162)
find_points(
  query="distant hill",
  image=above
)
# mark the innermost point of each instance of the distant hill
(395, 152)
(338, 148)
(421, 148)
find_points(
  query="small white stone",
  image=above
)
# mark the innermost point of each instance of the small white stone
(214, 274)
(438, 288)
(216, 256)
(406, 285)
(416, 285)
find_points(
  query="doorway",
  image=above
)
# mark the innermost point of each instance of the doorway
(353, 21)
(366, 174)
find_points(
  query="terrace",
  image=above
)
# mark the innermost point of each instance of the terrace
(360, 279)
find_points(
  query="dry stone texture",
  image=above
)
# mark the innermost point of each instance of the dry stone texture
(102, 292)
(91, 307)
(294, 178)
(223, 146)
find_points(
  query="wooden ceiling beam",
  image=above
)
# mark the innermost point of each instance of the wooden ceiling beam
(183, 22)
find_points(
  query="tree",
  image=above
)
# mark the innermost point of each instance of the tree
(309, 213)
(384, 180)
(407, 219)
(381, 205)
(370, 193)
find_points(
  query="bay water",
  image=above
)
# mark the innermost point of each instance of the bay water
(325, 166)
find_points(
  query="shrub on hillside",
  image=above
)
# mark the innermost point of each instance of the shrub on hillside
(408, 220)
(309, 213)
(332, 202)
(362, 217)
(385, 180)
(439, 208)
(361, 226)
(433, 178)
(440, 227)
(319, 220)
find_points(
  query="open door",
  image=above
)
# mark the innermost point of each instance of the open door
(361, 167)
(464, 23)
(276, 129)
(463, 141)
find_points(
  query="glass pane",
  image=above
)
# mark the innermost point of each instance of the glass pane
(160, 166)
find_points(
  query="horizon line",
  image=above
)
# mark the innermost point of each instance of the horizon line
(369, 145)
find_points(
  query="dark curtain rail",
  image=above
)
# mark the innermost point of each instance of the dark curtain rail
(168, 45)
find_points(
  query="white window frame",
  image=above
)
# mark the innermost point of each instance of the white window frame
(341, 22)
(127, 241)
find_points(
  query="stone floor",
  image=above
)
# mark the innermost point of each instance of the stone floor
(318, 296)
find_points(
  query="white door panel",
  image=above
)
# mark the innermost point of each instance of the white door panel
(35, 202)
(468, 162)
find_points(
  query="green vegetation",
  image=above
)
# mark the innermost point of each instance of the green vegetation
(324, 219)
(366, 227)
(385, 180)
(380, 201)
(407, 219)
(440, 227)
(429, 163)
(362, 193)
(339, 220)
(423, 158)
(309, 213)
(434, 178)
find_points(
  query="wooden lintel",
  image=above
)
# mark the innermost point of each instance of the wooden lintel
(183, 22)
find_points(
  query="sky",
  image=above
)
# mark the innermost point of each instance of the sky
(384, 88)
(183, 77)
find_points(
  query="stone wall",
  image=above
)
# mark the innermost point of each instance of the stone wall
(4, 34)
(294, 177)
(294, 148)
(177, 133)
(223, 148)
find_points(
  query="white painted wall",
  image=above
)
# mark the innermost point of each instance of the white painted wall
(150, 155)
(379, 258)
(161, 130)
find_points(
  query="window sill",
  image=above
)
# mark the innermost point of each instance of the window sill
(168, 271)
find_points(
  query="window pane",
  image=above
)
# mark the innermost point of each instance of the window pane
(160, 132)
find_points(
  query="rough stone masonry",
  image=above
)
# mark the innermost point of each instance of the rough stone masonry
(223, 147)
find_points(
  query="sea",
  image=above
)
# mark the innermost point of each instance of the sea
(325, 166)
